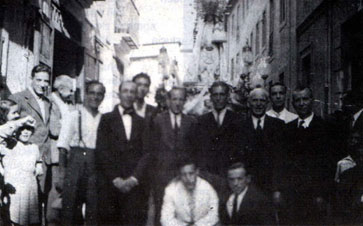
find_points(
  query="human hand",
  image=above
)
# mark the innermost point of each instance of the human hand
(38, 169)
(120, 184)
(276, 197)
(131, 182)
(320, 203)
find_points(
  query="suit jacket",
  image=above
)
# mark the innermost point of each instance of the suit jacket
(176, 210)
(263, 150)
(255, 209)
(217, 146)
(115, 155)
(309, 168)
(44, 126)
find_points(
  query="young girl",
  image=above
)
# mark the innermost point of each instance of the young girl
(22, 166)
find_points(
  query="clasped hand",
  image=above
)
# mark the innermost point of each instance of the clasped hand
(124, 185)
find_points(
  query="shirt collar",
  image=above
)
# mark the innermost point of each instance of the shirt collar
(142, 110)
(279, 114)
(121, 109)
(307, 120)
(356, 115)
(37, 97)
(86, 112)
(222, 112)
(255, 120)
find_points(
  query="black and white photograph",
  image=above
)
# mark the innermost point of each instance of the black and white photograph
(181, 112)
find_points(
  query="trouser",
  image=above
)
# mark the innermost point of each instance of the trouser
(53, 215)
(79, 188)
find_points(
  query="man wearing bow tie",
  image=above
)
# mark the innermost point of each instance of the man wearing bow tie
(121, 163)
(310, 168)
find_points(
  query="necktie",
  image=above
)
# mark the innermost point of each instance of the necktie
(235, 208)
(129, 111)
(258, 127)
(301, 124)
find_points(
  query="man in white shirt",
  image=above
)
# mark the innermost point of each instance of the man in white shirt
(246, 205)
(278, 101)
(189, 199)
(80, 141)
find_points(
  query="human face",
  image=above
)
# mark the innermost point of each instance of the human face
(303, 103)
(238, 180)
(258, 104)
(66, 93)
(219, 98)
(127, 94)
(94, 96)
(40, 83)
(188, 175)
(13, 113)
(143, 86)
(278, 96)
(25, 135)
(176, 101)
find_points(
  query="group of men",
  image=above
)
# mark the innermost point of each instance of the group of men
(219, 168)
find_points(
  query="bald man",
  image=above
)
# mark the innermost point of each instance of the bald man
(123, 193)
(263, 140)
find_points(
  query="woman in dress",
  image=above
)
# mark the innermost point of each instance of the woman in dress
(22, 166)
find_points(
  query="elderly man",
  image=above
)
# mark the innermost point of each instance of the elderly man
(62, 98)
(34, 102)
(121, 163)
(309, 168)
(189, 199)
(278, 100)
(246, 205)
(79, 141)
(263, 140)
(172, 131)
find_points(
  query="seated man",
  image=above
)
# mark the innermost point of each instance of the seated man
(189, 199)
(246, 205)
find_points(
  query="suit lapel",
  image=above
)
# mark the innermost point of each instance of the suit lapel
(33, 103)
(121, 133)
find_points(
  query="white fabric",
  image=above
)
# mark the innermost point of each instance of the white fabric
(127, 121)
(230, 201)
(255, 121)
(40, 102)
(307, 121)
(176, 209)
(219, 117)
(89, 131)
(284, 115)
(172, 119)
(343, 165)
(356, 116)
(142, 111)
(19, 165)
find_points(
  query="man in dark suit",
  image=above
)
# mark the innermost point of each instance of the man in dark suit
(143, 109)
(264, 141)
(33, 102)
(123, 192)
(171, 137)
(245, 205)
(216, 132)
(309, 169)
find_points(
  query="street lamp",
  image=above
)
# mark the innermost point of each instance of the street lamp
(247, 54)
(264, 69)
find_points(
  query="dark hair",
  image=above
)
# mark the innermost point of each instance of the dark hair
(177, 88)
(185, 160)
(278, 84)
(141, 75)
(238, 165)
(41, 68)
(4, 110)
(93, 83)
(217, 84)
(300, 88)
(123, 82)
(24, 127)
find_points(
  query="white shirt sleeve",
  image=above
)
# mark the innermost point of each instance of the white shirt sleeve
(212, 217)
(168, 209)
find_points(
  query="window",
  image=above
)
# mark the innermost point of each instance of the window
(283, 10)
(264, 29)
(257, 38)
(306, 70)
(272, 27)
